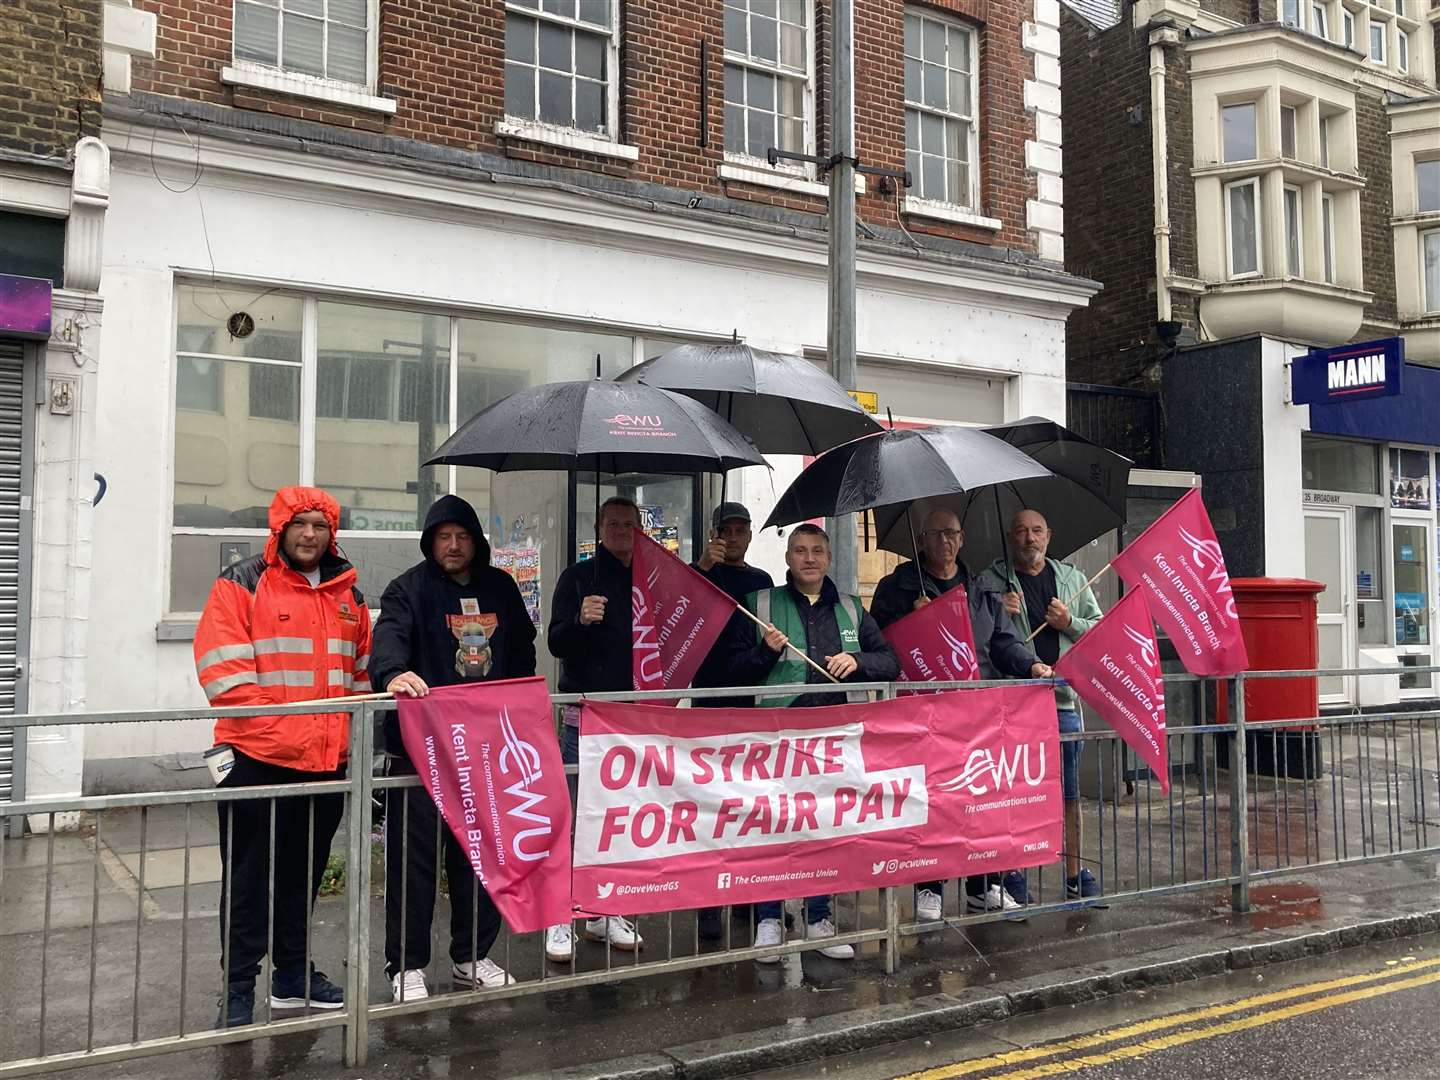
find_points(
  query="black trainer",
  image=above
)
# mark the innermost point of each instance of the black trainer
(287, 991)
(238, 1009)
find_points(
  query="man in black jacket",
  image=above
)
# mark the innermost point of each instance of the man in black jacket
(590, 634)
(1000, 653)
(723, 562)
(807, 616)
(452, 618)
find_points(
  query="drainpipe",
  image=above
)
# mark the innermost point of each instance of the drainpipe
(1159, 156)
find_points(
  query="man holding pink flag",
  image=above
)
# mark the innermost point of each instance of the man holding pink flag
(1052, 597)
(995, 651)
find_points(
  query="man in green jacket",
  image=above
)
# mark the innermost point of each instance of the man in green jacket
(1031, 586)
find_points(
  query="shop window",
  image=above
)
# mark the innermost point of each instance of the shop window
(1339, 465)
(1238, 134)
(327, 39)
(940, 95)
(1409, 479)
(767, 76)
(560, 63)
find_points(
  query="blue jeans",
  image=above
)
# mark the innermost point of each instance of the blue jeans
(1070, 722)
(816, 908)
(570, 755)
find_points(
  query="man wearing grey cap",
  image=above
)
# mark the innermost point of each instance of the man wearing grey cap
(723, 562)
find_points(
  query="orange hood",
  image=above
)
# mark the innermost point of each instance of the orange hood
(290, 501)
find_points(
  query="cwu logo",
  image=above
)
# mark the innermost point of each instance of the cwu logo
(537, 828)
(962, 654)
(1145, 644)
(1206, 554)
(629, 420)
(1002, 769)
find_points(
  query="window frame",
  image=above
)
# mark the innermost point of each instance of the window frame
(1294, 244)
(1383, 58)
(1429, 298)
(745, 62)
(611, 130)
(971, 121)
(1254, 106)
(1293, 112)
(304, 78)
(1347, 27)
(1327, 237)
(1324, 142)
(1402, 51)
(1319, 20)
(1431, 163)
(1252, 182)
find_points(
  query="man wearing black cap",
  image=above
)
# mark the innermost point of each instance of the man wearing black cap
(723, 562)
(452, 618)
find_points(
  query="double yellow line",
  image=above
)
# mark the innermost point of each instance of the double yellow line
(1427, 974)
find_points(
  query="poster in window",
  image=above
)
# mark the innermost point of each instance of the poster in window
(523, 564)
(1409, 480)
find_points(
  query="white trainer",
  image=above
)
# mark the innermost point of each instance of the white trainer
(826, 929)
(768, 932)
(995, 899)
(409, 986)
(485, 971)
(621, 933)
(559, 943)
(928, 906)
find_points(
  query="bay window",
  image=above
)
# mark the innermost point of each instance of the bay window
(1242, 205)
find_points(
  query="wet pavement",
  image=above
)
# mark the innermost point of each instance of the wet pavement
(1369, 1012)
(1366, 804)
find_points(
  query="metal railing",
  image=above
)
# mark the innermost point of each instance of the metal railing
(103, 916)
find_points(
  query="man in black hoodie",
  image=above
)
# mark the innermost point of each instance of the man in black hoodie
(999, 652)
(589, 633)
(452, 618)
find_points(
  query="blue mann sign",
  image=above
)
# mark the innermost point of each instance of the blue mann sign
(1370, 369)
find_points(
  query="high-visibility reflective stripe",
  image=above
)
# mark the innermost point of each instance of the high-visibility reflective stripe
(285, 678)
(362, 663)
(362, 682)
(339, 678)
(268, 645)
(341, 646)
(223, 653)
(219, 686)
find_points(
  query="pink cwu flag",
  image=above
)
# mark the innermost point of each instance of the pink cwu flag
(1177, 565)
(677, 614)
(936, 643)
(1115, 668)
(487, 754)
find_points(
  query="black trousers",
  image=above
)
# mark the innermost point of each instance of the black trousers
(411, 828)
(245, 866)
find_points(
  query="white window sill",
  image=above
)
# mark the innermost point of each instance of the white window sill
(938, 211)
(306, 86)
(750, 171)
(564, 137)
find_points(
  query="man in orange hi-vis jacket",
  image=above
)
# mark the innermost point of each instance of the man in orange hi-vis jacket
(289, 625)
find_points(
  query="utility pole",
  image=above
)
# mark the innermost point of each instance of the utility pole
(840, 338)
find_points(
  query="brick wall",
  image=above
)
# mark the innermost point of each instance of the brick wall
(1240, 11)
(1377, 244)
(443, 64)
(1109, 212)
(49, 74)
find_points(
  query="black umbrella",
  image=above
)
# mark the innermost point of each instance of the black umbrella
(784, 404)
(597, 425)
(895, 469)
(1085, 496)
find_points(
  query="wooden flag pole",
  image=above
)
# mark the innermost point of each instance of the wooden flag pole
(766, 626)
(1078, 593)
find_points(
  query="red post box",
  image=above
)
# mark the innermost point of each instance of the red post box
(1278, 622)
